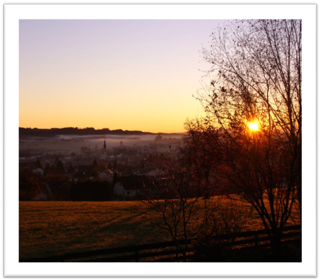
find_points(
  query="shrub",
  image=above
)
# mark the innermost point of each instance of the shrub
(210, 244)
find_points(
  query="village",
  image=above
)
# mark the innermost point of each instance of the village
(120, 168)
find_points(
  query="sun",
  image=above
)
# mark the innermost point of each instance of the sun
(253, 126)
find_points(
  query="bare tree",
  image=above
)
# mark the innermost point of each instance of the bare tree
(172, 200)
(254, 111)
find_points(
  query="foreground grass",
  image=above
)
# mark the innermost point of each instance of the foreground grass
(54, 228)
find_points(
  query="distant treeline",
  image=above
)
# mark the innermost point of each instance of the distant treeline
(34, 132)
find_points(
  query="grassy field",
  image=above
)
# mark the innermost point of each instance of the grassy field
(53, 228)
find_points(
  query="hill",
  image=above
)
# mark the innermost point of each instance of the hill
(35, 132)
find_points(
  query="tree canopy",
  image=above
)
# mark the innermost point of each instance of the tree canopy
(249, 142)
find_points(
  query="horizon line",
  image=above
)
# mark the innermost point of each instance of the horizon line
(111, 130)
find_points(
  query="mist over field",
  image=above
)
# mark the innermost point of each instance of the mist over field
(111, 138)
(73, 143)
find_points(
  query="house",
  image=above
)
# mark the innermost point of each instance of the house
(138, 185)
(130, 186)
(38, 171)
(156, 172)
(106, 175)
(41, 197)
(143, 171)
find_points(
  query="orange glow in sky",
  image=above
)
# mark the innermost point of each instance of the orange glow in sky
(116, 74)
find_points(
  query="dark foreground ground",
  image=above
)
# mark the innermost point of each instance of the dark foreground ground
(290, 252)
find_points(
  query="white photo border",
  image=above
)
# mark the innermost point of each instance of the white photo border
(14, 12)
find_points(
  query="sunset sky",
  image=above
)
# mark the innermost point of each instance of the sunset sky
(116, 74)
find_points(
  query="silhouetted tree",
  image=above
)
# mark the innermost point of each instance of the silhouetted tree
(161, 158)
(59, 167)
(29, 185)
(158, 138)
(109, 166)
(102, 166)
(39, 163)
(256, 70)
(47, 169)
(59, 185)
(173, 201)
(115, 178)
(56, 160)
(71, 168)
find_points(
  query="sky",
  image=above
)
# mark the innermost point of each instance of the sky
(116, 74)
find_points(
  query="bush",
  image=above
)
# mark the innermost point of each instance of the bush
(209, 246)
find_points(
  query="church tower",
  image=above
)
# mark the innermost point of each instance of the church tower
(104, 151)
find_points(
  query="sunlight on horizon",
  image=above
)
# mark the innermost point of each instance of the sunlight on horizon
(253, 126)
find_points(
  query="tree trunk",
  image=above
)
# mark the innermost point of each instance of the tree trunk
(276, 244)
